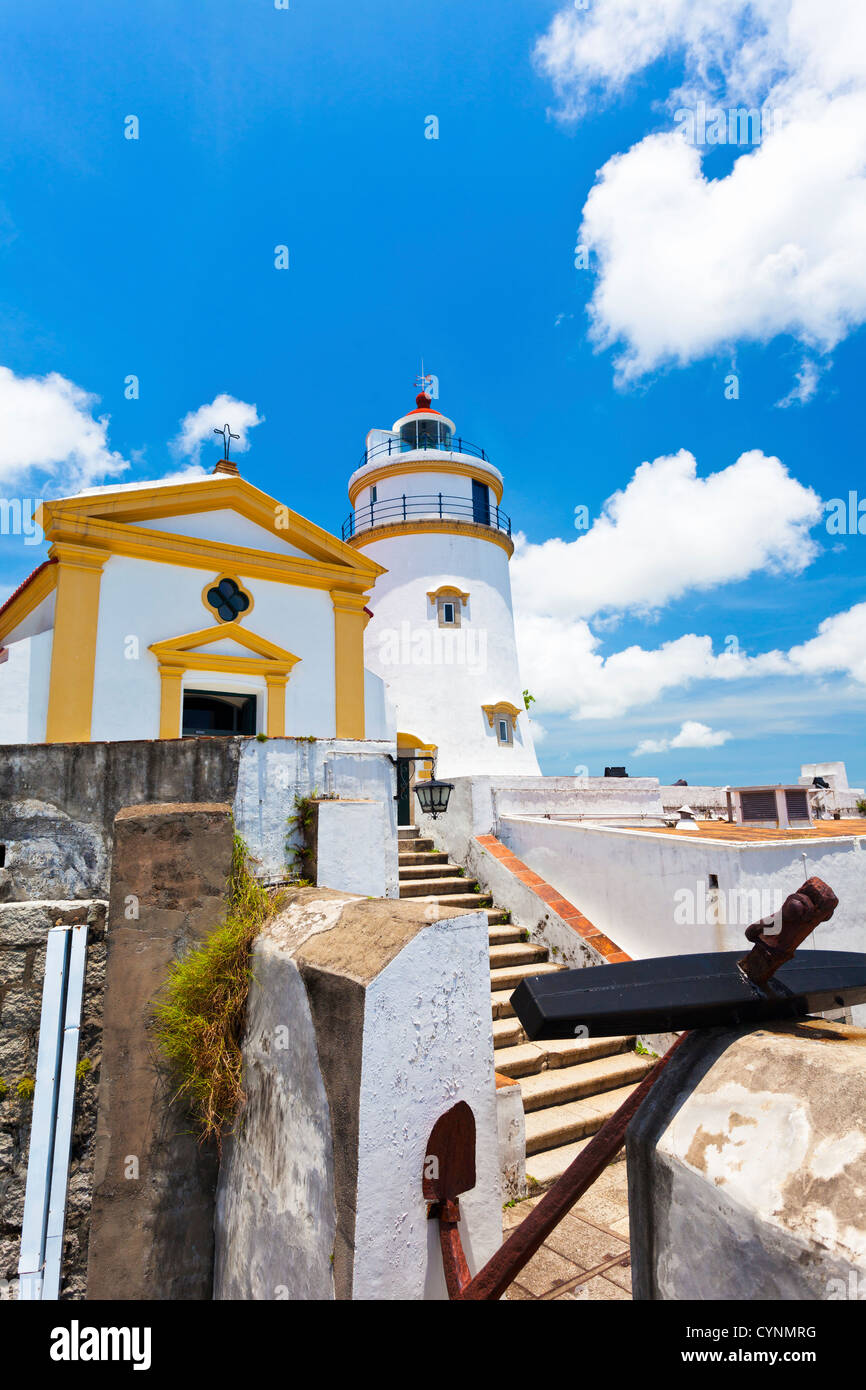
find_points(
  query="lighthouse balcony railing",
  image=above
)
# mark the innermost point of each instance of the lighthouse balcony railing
(389, 510)
(454, 444)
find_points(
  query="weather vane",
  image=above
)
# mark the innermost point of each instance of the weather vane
(423, 381)
(227, 439)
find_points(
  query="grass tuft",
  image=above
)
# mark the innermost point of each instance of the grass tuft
(199, 1017)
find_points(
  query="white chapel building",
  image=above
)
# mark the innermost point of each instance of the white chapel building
(206, 608)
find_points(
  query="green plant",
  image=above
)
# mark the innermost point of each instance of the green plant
(4, 1089)
(528, 699)
(298, 855)
(83, 1067)
(25, 1087)
(861, 805)
(524, 935)
(199, 1017)
(644, 1051)
(261, 738)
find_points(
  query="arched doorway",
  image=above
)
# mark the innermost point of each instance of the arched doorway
(410, 747)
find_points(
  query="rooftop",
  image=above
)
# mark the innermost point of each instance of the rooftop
(724, 830)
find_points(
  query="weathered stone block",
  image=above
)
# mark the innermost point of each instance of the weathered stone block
(747, 1166)
(368, 1019)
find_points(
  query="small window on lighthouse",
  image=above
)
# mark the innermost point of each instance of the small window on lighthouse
(504, 731)
(448, 613)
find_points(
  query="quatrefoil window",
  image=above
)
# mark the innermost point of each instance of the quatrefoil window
(227, 599)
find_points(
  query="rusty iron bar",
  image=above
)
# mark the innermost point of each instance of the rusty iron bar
(801, 913)
(503, 1267)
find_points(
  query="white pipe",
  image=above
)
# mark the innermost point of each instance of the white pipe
(65, 1113)
(53, 1104)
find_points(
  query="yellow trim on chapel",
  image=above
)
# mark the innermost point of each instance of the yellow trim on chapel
(398, 467)
(28, 600)
(73, 649)
(178, 655)
(349, 623)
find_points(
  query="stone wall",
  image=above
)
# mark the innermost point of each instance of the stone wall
(747, 1164)
(368, 1019)
(58, 801)
(23, 932)
(153, 1190)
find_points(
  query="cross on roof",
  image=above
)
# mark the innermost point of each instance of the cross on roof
(227, 438)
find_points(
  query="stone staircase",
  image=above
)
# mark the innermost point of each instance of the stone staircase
(569, 1087)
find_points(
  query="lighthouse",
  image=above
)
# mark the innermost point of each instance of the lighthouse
(427, 505)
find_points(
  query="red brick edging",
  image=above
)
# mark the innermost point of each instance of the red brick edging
(555, 901)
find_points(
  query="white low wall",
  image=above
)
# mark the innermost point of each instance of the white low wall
(273, 773)
(634, 885)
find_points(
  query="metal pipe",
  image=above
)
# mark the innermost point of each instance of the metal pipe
(53, 1105)
(65, 1113)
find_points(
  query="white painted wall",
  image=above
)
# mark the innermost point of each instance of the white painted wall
(24, 678)
(428, 1043)
(226, 526)
(272, 774)
(353, 849)
(150, 603)
(627, 882)
(438, 679)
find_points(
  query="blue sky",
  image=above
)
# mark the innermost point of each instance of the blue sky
(306, 127)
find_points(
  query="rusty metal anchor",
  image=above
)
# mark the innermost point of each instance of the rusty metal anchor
(665, 994)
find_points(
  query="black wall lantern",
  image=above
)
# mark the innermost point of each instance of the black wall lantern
(433, 796)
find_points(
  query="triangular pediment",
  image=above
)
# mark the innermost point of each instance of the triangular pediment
(123, 517)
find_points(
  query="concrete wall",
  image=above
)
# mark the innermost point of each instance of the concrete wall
(153, 1191)
(747, 1164)
(368, 1020)
(58, 801)
(650, 892)
(350, 848)
(23, 933)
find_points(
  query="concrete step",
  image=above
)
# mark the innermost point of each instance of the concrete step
(563, 1124)
(500, 1002)
(530, 1058)
(507, 932)
(516, 953)
(422, 845)
(509, 976)
(548, 1166)
(431, 856)
(436, 887)
(407, 832)
(559, 1086)
(507, 1037)
(409, 873)
(498, 914)
(452, 898)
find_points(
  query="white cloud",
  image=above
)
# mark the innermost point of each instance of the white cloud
(840, 646)
(692, 734)
(669, 532)
(688, 265)
(569, 675)
(50, 435)
(805, 385)
(197, 428)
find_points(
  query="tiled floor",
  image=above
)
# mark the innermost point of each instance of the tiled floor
(586, 1257)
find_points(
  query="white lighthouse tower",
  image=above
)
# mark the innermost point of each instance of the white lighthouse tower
(426, 505)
